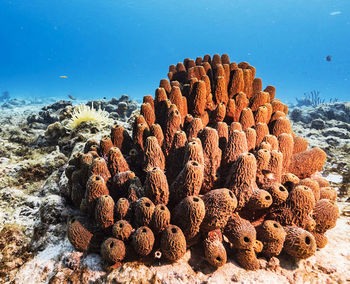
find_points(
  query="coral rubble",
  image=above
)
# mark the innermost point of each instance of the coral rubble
(211, 155)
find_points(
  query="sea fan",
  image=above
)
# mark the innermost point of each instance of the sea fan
(83, 113)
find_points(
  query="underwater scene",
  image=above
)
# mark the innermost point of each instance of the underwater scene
(175, 141)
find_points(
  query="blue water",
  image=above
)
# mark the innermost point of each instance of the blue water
(110, 47)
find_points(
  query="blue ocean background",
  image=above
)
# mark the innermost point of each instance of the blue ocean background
(108, 48)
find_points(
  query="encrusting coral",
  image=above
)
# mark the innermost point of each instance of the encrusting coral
(211, 154)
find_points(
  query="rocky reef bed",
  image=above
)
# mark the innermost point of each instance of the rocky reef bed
(34, 215)
(328, 126)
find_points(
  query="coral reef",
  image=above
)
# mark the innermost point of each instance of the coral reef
(211, 154)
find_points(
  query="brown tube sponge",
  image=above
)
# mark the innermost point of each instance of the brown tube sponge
(230, 111)
(156, 131)
(140, 135)
(156, 186)
(194, 152)
(160, 219)
(95, 188)
(121, 138)
(164, 83)
(222, 129)
(328, 193)
(277, 105)
(104, 211)
(212, 157)
(263, 175)
(241, 102)
(285, 146)
(247, 118)
(260, 199)
(215, 60)
(301, 200)
(272, 236)
(172, 125)
(225, 59)
(176, 98)
(236, 145)
(219, 113)
(116, 162)
(272, 140)
(325, 214)
(121, 208)
(148, 113)
(153, 154)
(261, 115)
(87, 148)
(173, 243)
(219, 205)
(247, 259)
(321, 239)
(241, 179)
(313, 185)
(187, 183)
(305, 164)
(276, 115)
(259, 99)
(257, 85)
(198, 99)
(143, 211)
(276, 164)
(113, 250)
(143, 241)
(214, 252)
(120, 184)
(237, 82)
(160, 99)
(251, 138)
(235, 126)
(240, 232)
(78, 235)
(299, 243)
(174, 162)
(300, 144)
(278, 192)
(148, 99)
(99, 167)
(261, 130)
(194, 127)
(322, 182)
(188, 215)
(271, 90)
(290, 181)
(248, 82)
(220, 93)
(105, 144)
(281, 125)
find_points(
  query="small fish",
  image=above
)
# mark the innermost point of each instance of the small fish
(104, 98)
(335, 13)
(63, 77)
(71, 97)
(329, 58)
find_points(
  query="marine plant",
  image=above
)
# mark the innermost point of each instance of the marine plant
(84, 113)
(212, 161)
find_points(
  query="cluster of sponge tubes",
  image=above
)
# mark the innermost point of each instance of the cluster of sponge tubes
(212, 161)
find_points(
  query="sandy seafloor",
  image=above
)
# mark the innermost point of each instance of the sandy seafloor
(33, 216)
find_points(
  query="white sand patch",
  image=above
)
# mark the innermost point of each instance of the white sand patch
(38, 270)
(334, 178)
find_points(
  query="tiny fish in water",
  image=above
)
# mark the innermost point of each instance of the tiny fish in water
(71, 97)
(104, 98)
(329, 58)
(63, 77)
